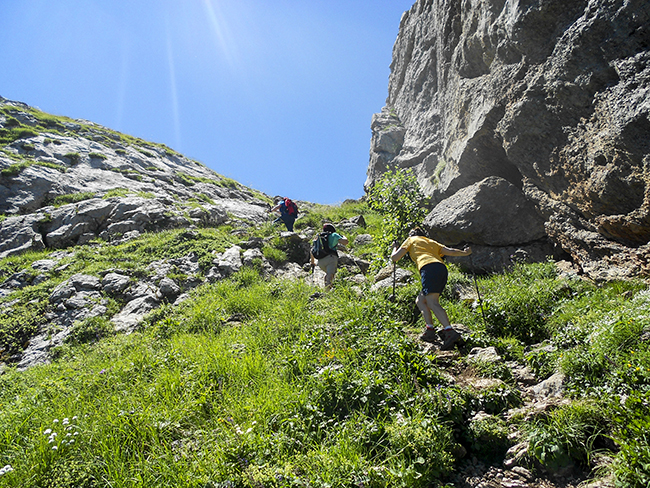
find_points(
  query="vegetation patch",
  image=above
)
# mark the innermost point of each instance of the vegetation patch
(75, 158)
(255, 381)
(61, 200)
(15, 169)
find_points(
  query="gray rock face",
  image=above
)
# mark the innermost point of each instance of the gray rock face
(118, 186)
(549, 95)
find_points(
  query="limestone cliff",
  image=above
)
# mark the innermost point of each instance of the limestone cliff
(552, 96)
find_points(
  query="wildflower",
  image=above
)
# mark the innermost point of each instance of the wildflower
(55, 448)
(47, 431)
(55, 421)
(6, 469)
(66, 421)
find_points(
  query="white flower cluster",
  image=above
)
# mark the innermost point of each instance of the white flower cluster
(70, 433)
(5, 470)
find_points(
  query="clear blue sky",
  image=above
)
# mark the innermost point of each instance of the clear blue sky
(276, 94)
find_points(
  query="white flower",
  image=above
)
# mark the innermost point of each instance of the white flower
(66, 421)
(55, 421)
(47, 431)
(6, 469)
(55, 448)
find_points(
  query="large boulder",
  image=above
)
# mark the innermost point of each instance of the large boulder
(492, 212)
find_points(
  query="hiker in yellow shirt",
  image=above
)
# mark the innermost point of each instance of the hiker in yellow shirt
(427, 255)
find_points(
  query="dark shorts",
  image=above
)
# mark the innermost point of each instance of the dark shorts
(434, 278)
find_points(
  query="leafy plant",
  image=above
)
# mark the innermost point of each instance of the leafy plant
(398, 198)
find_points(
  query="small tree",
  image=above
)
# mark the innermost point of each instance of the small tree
(397, 196)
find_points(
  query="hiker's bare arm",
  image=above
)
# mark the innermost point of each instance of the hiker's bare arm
(450, 251)
(344, 241)
(398, 253)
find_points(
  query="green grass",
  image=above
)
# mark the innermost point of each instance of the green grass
(249, 382)
(17, 168)
(72, 198)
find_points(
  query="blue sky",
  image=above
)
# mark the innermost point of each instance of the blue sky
(276, 94)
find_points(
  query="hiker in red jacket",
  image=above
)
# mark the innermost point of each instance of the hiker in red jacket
(427, 255)
(288, 211)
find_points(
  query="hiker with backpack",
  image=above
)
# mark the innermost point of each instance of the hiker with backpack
(427, 255)
(288, 211)
(323, 252)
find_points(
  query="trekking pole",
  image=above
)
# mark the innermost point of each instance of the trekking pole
(392, 297)
(478, 293)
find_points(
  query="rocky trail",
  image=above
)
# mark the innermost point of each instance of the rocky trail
(538, 397)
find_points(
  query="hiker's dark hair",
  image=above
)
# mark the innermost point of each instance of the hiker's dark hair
(417, 231)
(328, 228)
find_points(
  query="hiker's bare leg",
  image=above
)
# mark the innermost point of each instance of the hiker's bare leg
(433, 304)
(421, 302)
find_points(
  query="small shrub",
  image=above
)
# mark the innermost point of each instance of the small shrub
(572, 433)
(94, 155)
(631, 465)
(488, 438)
(274, 254)
(397, 196)
(75, 158)
(90, 330)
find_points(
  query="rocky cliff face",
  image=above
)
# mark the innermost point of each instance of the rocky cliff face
(540, 104)
(65, 182)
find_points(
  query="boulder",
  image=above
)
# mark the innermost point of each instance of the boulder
(491, 212)
(230, 261)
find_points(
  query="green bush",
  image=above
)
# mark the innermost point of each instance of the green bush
(570, 434)
(90, 330)
(402, 204)
(519, 303)
(488, 438)
(631, 416)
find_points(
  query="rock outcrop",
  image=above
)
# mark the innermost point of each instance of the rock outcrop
(65, 182)
(550, 96)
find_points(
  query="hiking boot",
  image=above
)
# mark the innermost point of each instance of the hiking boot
(429, 335)
(449, 338)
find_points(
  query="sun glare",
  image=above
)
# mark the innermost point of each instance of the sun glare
(218, 25)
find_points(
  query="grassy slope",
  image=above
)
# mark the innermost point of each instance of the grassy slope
(327, 392)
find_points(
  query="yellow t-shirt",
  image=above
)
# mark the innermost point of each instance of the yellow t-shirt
(423, 250)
